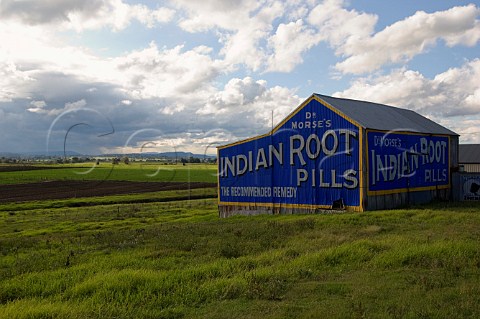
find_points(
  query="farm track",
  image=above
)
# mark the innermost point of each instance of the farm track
(74, 189)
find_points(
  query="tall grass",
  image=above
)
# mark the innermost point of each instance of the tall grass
(178, 260)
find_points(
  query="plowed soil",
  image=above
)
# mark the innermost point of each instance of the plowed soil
(17, 168)
(73, 189)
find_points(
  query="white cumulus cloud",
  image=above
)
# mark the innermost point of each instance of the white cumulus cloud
(338, 26)
(154, 72)
(249, 103)
(82, 15)
(403, 40)
(246, 30)
(289, 42)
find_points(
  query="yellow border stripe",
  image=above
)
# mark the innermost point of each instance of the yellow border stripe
(405, 190)
(294, 112)
(407, 132)
(218, 174)
(360, 168)
(277, 127)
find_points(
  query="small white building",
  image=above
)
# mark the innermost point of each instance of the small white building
(469, 158)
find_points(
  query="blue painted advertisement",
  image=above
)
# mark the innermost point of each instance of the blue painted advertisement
(403, 162)
(310, 159)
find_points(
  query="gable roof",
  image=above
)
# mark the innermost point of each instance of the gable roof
(469, 153)
(383, 117)
(369, 115)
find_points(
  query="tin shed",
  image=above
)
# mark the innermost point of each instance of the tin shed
(338, 153)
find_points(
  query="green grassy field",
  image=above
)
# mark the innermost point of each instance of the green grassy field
(138, 172)
(177, 259)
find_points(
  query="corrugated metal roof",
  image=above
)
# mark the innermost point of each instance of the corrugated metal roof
(469, 153)
(384, 117)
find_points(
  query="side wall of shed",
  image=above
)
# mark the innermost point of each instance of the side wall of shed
(402, 199)
(316, 166)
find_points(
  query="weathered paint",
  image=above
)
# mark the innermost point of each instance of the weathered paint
(271, 166)
(307, 162)
(406, 161)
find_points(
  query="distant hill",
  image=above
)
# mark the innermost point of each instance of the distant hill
(60, 153)
(169, 155)
(40, 154)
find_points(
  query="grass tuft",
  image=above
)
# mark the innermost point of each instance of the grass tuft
(177, 259)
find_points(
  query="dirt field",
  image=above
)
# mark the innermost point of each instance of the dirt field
(17, 168)
(72, 189)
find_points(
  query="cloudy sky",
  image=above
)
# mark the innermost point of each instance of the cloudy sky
(138, 76)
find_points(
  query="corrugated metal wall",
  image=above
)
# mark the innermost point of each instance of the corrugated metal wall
(389, 201)
(471, 168)
(367, 202)
(405, 199)
(463, 186)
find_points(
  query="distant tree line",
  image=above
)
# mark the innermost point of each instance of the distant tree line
(192, 160)
(114, 160)
(7, 160)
